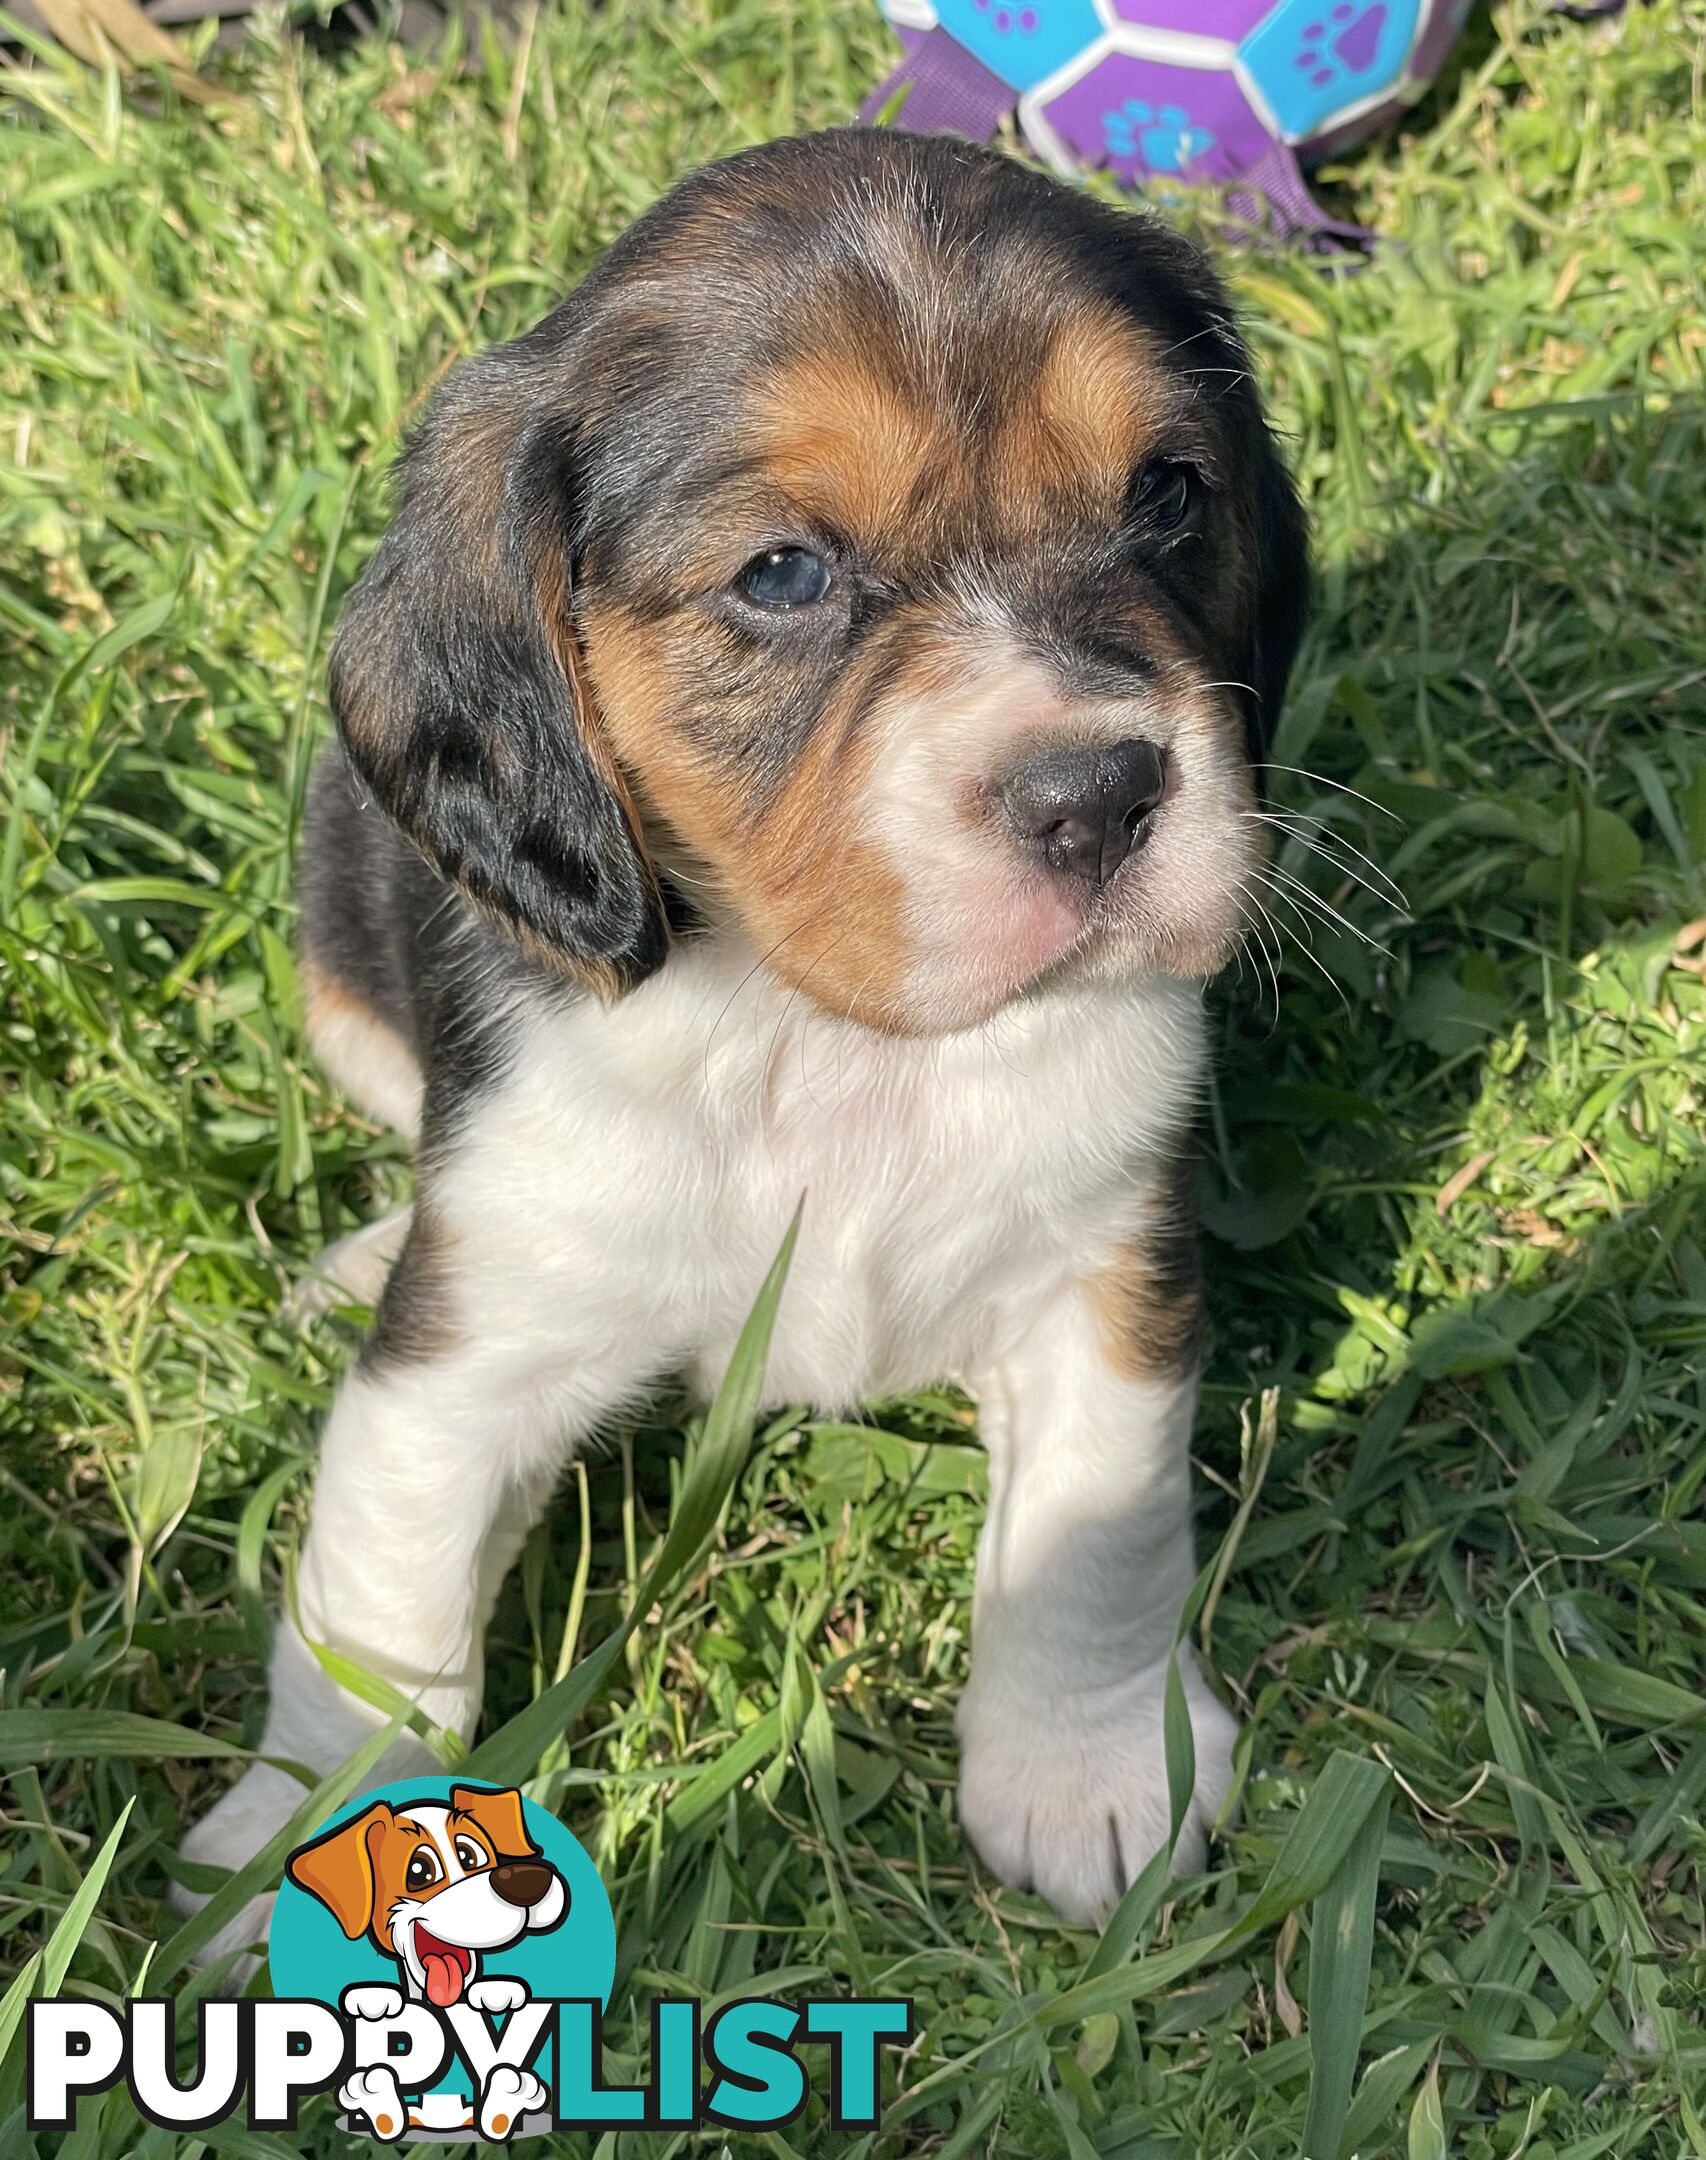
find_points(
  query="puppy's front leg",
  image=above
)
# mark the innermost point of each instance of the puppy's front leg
(1083, 1566)
(440, 1453)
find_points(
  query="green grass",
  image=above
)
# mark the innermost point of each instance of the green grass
(1458, 1255)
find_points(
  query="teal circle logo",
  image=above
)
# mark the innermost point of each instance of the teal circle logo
(457, 1896)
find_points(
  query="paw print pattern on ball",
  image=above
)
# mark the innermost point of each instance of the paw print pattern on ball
(1347, 39)
(1310, 59)
(1255, 78)
(1022, 42)
(1004, 21)
(1161, 139)
(1137, 117)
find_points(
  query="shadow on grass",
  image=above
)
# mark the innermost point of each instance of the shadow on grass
(1454, 1212)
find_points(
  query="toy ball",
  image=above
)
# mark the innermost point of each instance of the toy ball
(1219, 90)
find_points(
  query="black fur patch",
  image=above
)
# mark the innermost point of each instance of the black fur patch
(453, 683)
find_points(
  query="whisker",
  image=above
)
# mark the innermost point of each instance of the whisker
(1261, 942)
(1325, 909)
(1209, 329)
(1386, 892)
(1280, 814)
(1282, 821)
(846, 1034)
(1310, 903)
(1321, 780)
(787, 1007)
(1238, 949)
(747, 977)
(1305, 945)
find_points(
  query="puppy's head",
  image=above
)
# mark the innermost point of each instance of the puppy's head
(884, 543)
(434, 1884)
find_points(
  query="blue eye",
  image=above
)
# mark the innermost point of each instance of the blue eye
(788, 577)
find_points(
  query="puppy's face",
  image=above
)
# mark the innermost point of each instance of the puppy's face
(886, 548)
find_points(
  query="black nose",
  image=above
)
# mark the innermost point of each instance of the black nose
(1085, 810)
(521, 1882)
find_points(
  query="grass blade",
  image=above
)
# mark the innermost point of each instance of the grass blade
(1341, 1951)
(42, 1974)
(46, 1736)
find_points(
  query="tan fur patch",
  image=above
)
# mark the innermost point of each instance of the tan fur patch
(552, 584)
(817, 900)
(847, 445)
(1148, 1303)
(833, 902)
(362, 1051)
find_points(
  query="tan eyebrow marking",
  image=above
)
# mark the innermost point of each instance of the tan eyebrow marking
(1093, 411)
(847, 445)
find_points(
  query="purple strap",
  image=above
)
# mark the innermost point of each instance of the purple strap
(1273, 195)
(946, 91)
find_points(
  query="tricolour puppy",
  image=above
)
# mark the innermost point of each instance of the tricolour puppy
(797, 734)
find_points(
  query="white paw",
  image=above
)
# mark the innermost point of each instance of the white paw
(376, 2095)
(1068, 1797)
(229, 1835)
(236, 1827)
(312, 1721)
(497, 1998)
(377, 2003)
(509, 2095)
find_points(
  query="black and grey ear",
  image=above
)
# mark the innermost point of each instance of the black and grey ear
(1279, 609)
(458, 687)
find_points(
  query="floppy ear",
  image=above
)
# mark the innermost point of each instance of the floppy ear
(1280, 604)
(499, 1816)
(338, 1869)
(458, 688)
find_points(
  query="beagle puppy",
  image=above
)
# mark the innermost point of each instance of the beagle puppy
(436, 1886)
(798, 733)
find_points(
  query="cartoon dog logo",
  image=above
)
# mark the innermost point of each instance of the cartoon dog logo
(438, 1887)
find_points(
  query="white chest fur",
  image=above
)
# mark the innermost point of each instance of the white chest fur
(621, 1194)
(606, 1214)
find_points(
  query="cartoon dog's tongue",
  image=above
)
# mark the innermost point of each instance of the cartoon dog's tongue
(444, 1966)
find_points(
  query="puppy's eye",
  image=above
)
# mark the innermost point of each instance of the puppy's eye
(469, 1855)
(1164, 494)
(423, 1870)
(788, 577)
